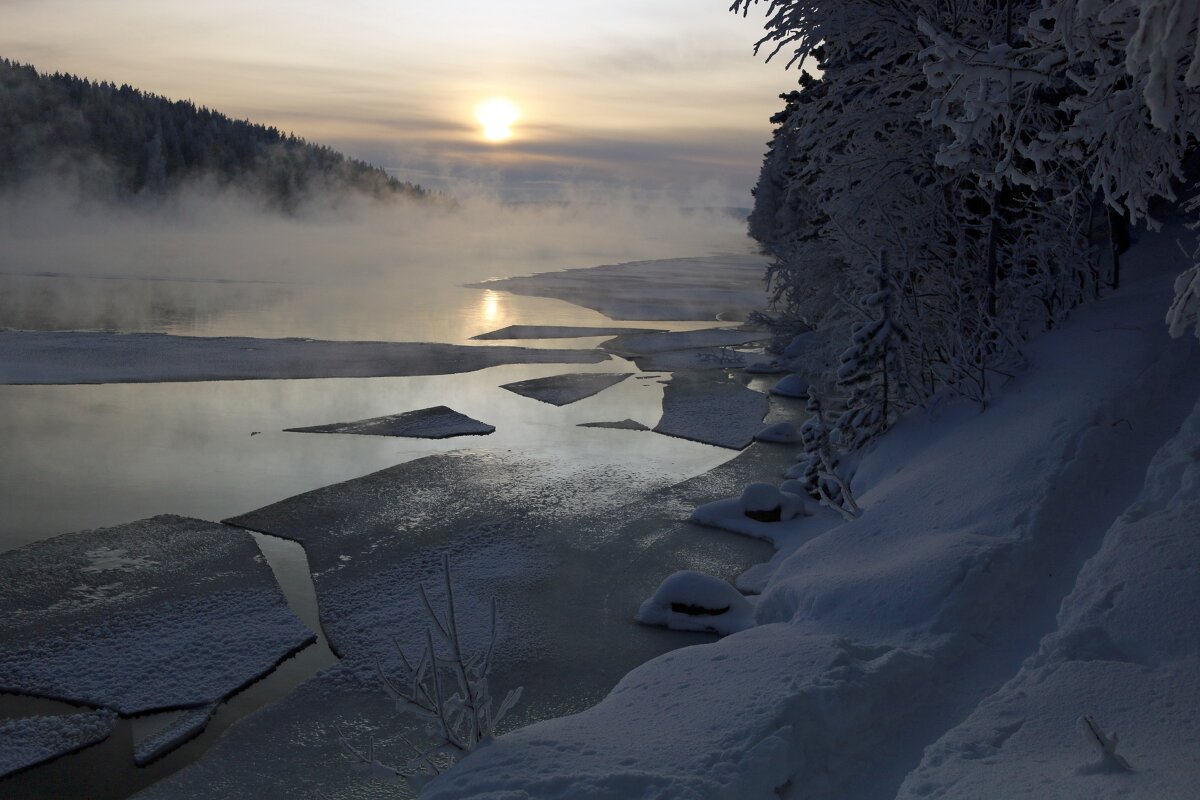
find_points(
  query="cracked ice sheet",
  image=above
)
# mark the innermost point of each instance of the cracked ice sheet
(56, 357)
(160, 613)
(554, 546)
(28, 741)
(438, 422)
(712, 409)
(704, 288)
(562, 390)
(1127, 651)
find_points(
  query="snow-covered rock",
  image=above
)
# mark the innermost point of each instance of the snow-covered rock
(762, 511)
(693, 601)
(779, 433)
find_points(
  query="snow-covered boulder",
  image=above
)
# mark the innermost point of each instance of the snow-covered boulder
(791, 386)
(758, 512)
(779, 433)
(693, 601)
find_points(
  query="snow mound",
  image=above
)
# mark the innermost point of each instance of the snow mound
(561, 390)
(162, 613)
(779, 433)
(791, 386)
(557, 332)
(693, 601)
(438, 422)
(762, 511)
(1124, 660)
(713, 410)
(182, 726)
(28, 741)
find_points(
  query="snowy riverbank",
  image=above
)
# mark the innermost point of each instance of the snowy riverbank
(1013, 571)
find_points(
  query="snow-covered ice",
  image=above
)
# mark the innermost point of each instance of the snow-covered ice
(557, 332)
(438, 422)
(693, 601)
(713, 287)
(37, 357)
(713, 409)
(162, 613)
(562, 390)
(28, 741)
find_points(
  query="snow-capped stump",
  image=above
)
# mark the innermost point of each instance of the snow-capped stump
(779, 433)
(693, 601)
(791, 386)
(758, 512)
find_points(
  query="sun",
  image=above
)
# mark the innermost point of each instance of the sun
(497, 116)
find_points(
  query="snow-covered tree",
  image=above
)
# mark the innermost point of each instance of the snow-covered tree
(819, 462)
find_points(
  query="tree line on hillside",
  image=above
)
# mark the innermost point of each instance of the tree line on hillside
(128, 143)
(950, 178)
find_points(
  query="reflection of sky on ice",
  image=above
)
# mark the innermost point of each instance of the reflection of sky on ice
(87, 456)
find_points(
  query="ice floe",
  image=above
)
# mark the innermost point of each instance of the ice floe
(623, 425)
(557, 332)
(561, 390)
(29, 741)
(438, 422)
(161, 613)
(713, 287)
(713, 409)
(37, 357)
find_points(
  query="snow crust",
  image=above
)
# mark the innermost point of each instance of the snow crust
(37, 357)
(162, 613)
(562, 390)
(726, 287)
(438, 422)
(693, 601)
(715, 410)
(875, 636)
(29, 741)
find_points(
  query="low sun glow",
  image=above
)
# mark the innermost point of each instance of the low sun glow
(497, 116)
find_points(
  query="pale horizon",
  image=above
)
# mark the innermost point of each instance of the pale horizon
(659, 100)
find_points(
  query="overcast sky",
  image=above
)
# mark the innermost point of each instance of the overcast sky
(659, 96)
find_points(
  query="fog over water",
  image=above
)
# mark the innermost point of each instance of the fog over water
(215, 262)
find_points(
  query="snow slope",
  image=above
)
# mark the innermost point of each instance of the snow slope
(876, 637)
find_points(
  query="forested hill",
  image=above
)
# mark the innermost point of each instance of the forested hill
(129, 143)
